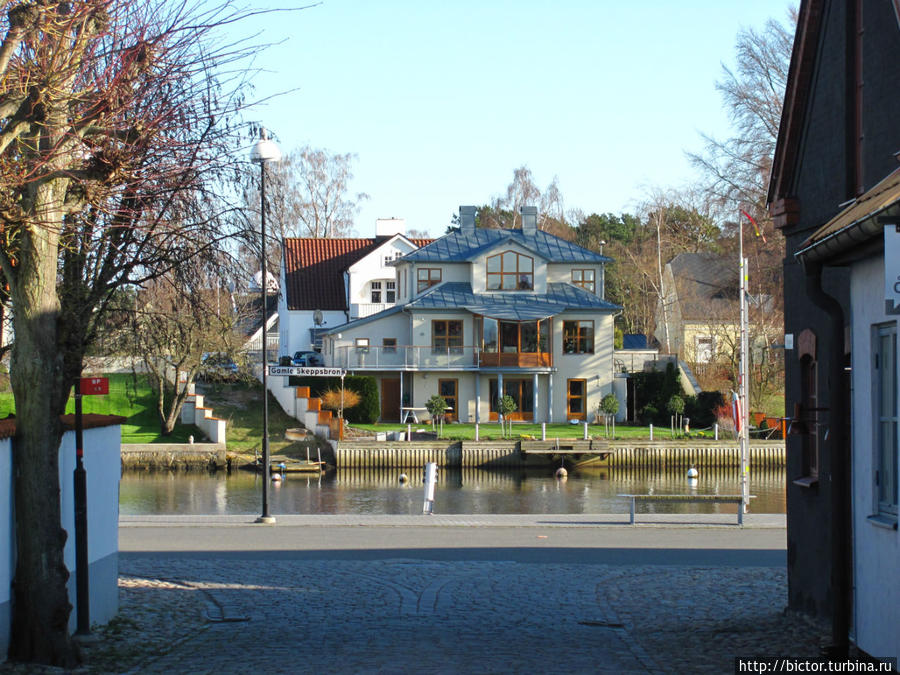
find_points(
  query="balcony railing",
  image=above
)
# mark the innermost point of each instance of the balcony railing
(360, 310)
(351, 357)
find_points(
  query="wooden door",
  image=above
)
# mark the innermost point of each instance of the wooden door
(390, 399)
(449, 391)
(576, 400)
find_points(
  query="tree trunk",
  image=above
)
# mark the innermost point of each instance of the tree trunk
(40, 599)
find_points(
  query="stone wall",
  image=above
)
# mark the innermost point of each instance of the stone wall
(173, 456)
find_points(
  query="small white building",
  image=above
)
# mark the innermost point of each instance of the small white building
(328, 282)
(483, 313)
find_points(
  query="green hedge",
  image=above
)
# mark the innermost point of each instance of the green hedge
(369, 408)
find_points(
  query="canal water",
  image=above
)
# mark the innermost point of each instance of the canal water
(466, 491)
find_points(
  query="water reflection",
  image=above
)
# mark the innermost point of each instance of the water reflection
(379, 491)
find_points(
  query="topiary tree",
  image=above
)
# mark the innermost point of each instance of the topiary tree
(506, 405)
(675, 406)
(435, 407)
(609, 406)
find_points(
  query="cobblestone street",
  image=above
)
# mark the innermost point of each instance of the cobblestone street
(313, 611)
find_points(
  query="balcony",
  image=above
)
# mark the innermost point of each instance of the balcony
(360, 310)
(351, 357)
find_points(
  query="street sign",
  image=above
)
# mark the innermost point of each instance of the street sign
(94, 386)
(306, 371)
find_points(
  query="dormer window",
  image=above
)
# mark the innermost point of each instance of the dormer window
(510, 271)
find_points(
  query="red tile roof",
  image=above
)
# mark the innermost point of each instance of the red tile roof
(314, 270)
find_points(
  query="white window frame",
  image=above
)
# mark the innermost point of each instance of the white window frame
(390, 291)
(885, 458)
(375, 292)
(704, 346)
(362, 345)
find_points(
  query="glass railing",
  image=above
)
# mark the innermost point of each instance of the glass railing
(431, 358)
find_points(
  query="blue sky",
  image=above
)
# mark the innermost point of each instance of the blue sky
(442, 100)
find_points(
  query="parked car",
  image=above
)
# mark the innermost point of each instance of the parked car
(307, 359)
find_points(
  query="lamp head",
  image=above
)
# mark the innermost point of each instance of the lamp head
(265, 149)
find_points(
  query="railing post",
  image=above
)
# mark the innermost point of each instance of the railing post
(543, 431)
(585, 431)
(476, 432)
(651, 432)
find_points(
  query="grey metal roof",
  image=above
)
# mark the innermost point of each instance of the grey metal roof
(516, 306)
(366, 319)
(461, 246)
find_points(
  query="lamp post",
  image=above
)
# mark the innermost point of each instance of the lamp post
(263, 151)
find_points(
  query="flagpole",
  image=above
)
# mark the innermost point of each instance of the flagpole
(743, 376)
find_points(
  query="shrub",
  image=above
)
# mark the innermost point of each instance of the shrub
(369, 408)
(649, 414)
(333, 399)
(675, 405)
(609, 405)
(702, 408)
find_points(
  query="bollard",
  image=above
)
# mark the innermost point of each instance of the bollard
(409, 432)
(716, 430)
(476, 431)
(651, 432)
(543, 431)
(585, 431)
(429, 477)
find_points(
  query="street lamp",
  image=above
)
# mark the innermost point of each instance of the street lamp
(263, 151)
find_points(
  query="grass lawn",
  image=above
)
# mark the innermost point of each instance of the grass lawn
(136, 404)
(466, 432)
(240, 405)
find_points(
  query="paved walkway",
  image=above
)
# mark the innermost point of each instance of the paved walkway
(474, 594)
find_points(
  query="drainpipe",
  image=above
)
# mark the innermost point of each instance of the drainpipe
(841, 542)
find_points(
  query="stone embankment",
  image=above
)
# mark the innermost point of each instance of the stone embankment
(173, 456)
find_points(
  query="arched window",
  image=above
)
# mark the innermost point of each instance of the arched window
(510, 271)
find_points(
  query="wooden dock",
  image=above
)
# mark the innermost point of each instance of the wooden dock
(575, 451)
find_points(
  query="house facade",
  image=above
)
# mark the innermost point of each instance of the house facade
(698, 316)
(484, 313)
(834, 193)
(328, 282)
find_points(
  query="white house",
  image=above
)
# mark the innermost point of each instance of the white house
(482, 313)
(328, 282)
(865, 237)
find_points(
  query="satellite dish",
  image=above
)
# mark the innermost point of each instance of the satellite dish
(318, 319)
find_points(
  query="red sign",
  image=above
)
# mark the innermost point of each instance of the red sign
(94, 386)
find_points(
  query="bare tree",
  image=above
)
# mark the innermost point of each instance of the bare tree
(177, 319)
(110, 113)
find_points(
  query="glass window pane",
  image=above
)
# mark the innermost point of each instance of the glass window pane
(576, 388)
(455, 327)
(588, 275)
(493, 263)
(490, 335)
(529, 337)
(509, 261)
(526, 264)
(509, 282)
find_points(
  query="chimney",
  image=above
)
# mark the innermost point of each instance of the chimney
(466, 219)
(529, 219)
(388, 227)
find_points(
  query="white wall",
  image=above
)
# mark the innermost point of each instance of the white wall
(294, 329)
(103, 466)
(876, 548)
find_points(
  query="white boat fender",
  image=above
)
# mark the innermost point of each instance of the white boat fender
(692, 472)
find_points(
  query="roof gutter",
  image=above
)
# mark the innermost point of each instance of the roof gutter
(837, 243)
